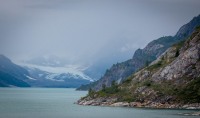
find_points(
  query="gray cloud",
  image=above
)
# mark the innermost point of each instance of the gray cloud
(87, 31)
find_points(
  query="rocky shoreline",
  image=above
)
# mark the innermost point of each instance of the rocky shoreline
(112, 102)
(146, 104)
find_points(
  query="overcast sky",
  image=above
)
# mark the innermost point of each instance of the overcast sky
(88, 31)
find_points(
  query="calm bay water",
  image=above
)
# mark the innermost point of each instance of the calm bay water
(58, 103)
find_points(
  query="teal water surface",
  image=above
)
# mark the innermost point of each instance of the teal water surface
(59, 103)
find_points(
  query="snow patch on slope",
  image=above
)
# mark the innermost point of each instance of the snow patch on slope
(30, 77)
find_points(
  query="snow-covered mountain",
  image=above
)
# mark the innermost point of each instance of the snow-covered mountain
(35, 75)
(48, 72)
(43, 78)
(71, 71)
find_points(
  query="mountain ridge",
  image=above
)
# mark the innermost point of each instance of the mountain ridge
(142, 57)
(171, 81)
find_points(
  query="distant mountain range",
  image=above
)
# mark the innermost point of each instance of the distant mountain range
(30, 75)
(55, 77)
(142, 57)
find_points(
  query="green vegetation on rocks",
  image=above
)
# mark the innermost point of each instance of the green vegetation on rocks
(172, 79)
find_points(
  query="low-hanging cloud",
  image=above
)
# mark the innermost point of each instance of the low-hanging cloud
(87, 31)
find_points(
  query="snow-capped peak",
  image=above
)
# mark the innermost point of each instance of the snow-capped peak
(74, 71)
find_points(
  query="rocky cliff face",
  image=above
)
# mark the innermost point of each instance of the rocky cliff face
(119, 72)
(171, 81)
(142, 57)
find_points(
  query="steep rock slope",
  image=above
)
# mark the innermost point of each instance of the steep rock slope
(142, 57)
(171, 81)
